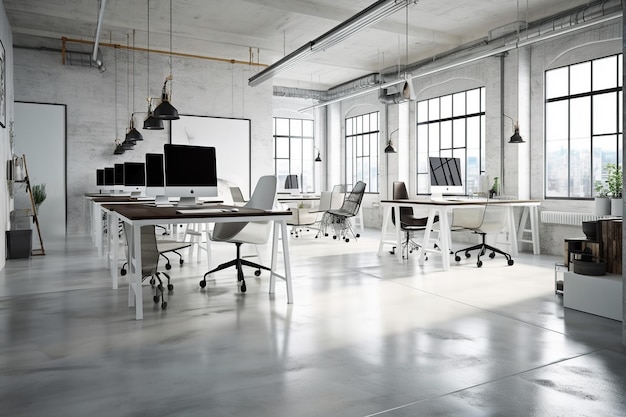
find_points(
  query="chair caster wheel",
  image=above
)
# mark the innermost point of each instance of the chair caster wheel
(182, 261)
(257, 273)
(358, 235)
(492, 255)
(243, 286)
(168, 266)
(326, 234)
(123, 272)
(156, 298)
(479, 264)
(335, 237)
(170, 287)
(510, 262)
(347, 240)
(152, 281)
(468, 255)
(163, 305)
(160, 287)
(202, 284)
(457, 258)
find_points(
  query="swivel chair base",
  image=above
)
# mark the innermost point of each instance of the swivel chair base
(237, 263)
(482, 249)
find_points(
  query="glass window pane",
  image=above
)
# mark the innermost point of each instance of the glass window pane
(458, 104)
(580, 122)
(557, 81)
(580, 78)
(423, 183)
(605, 73)
(556, 120)
(604, 113)
(580, 168)
(446, 107)
(282, 127)
(620, 70)
(446, 134)
(296, 127)
(307, 128)
(422, 111)
(374, 121)
(433, 137)
(282, 169)
(433, 109)
(459, 133)
(473, 133)
(473, 101)
(482, 99)
(472, 172)
(282, 147)
(422, 138)
(366, 123)
(557, 172)
(604, 152)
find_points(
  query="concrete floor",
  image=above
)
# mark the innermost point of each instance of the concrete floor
(365, 336)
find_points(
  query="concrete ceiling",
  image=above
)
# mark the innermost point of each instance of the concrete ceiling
(230, 29)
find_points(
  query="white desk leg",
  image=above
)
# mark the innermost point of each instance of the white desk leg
(98, 228)
(111, 241)
(281, 227)
(112, 219)
(383, 232)
(444, 238)
(134, 265)
(429, 226)
(534, 227)
(512, 230)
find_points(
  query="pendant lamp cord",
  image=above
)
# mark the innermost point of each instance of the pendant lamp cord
(171, 77)
(148, 57)
(115, 90)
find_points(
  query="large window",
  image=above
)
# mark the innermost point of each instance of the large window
(362, 135)
(452, 126)
(294, 152)
(583, 125)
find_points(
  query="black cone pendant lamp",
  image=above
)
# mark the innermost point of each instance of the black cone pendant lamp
(165, 110)
(150, 123)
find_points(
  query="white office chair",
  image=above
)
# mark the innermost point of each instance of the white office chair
(255, 233)
(488, 219)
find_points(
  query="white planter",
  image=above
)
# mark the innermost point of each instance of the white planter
(617, 207)
(603, 206)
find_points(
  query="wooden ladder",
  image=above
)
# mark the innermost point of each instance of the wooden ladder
(40, 251)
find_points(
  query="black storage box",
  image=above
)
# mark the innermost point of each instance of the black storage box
(19, 243)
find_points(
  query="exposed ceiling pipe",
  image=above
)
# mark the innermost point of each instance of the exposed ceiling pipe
(564, 23)
(94, 54)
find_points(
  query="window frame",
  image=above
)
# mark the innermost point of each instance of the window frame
(305, 158)
(358, 133)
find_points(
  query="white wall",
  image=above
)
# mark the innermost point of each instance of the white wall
(6, 203)
(200, 87)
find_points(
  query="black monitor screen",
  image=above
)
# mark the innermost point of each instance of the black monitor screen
(134, 174)
(445, 171)
(119, 174)
(154, 170)
(99, 177)
(187, 165)
(291, 182)
(109, 176)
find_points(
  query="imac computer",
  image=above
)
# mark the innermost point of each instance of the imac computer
(100, 179)
(190, 172)
(109, 178)
(155, 178)
(135, 178)
(118, 179)
(445, 177)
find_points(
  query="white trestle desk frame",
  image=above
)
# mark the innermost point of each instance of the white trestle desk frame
(117, 213)
(443, 209)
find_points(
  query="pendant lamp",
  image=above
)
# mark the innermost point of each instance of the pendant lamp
(119, 148)
(150, 123)
(165, 110)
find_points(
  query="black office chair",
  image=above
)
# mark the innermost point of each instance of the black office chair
(408, 222)
(256, 233)
(340, 219)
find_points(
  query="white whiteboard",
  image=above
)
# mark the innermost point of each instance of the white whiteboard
(231, 139)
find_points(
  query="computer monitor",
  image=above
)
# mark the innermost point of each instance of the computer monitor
(100, 178)
(445, 176)
(135, 177)
(109, 178)
(288, 184)
(118, 178)
(155, 177)
(190, 172)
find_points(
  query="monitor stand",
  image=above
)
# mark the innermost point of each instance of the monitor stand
(188, 201)
(161, 200)
(436, 196)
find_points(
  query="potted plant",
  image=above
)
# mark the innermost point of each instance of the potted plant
(39, 195)
(614, 184)
(601, 199)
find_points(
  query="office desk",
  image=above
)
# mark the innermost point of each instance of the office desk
(137, 215)
(443, 209)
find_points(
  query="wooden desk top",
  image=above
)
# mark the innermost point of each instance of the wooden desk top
(459, 202)
(148, 212)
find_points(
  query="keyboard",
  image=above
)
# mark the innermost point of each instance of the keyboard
(206, 210)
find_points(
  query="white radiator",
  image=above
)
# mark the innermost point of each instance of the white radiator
(565, 217)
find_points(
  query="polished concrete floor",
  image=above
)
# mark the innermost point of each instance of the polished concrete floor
(366, 336)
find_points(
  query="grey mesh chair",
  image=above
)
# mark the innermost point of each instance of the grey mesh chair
(150, 262)
(340, 219)
(256, 233)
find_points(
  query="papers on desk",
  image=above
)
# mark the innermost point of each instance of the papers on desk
(206, 210)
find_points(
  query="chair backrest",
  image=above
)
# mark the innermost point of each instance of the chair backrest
(262, 198)
(495, 218)
(352, 202)
(326, 198)
(400, 193)
(237, 195)
(149, 249)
